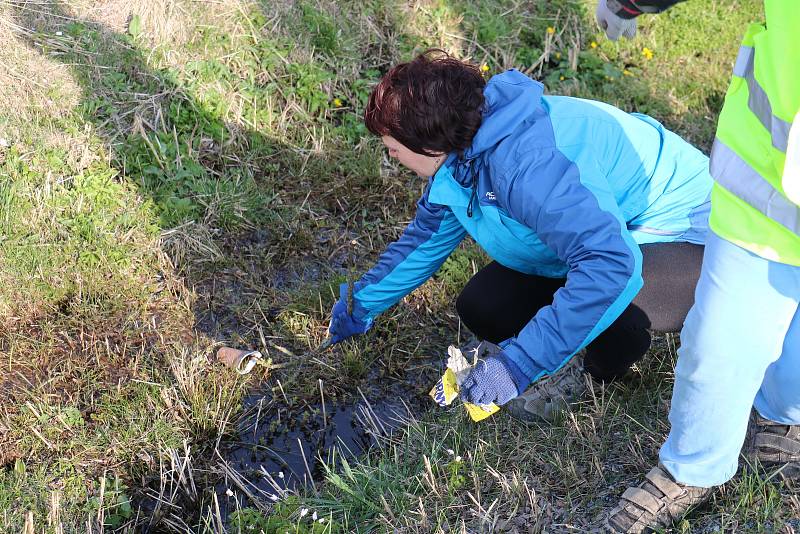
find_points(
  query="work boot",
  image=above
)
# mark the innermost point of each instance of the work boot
(551, 395)
(774, 445)
(657, 502)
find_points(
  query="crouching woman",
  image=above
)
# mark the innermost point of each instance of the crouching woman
(594, 219)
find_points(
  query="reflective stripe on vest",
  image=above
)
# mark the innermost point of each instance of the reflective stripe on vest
(758, 101)
(734, 174)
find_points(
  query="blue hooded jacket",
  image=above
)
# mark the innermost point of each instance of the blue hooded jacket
(558, 187)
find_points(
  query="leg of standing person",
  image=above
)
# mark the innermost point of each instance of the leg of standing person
(774, 435)
(730, 357)
(725, 351)
(778, 399)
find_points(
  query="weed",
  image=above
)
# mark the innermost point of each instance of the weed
(460, 266)
(457, 472)
(114, 501)
(354, 363)
(287, 516)
(322, 28)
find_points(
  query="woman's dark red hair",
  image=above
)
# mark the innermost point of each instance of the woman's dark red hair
(432, 104)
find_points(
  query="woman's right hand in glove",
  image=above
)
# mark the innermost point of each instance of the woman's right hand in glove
(343, 324)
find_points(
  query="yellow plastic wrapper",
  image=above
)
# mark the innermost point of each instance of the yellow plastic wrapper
(446, 389)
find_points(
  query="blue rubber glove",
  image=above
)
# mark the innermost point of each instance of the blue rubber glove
(495, 379)
(344, 325)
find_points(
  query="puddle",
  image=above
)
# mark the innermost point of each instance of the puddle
(275, 444)
(281, 445)
(279, 448)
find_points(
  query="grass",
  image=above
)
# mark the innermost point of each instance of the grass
(445, 473)
(179, 175)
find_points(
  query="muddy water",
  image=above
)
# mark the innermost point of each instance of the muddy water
(280, 444)
(284, 448)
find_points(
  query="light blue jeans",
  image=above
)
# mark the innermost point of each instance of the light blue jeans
(740, 347)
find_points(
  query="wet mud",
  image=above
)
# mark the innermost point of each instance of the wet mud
(279, 448)
(282, 443)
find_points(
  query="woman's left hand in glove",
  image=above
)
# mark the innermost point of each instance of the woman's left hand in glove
(493, 380)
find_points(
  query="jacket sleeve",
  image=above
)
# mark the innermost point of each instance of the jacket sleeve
(628, 9)
(575, 214)
(408, 262)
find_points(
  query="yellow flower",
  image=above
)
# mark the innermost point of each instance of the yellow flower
(626, 72)
(558, 55)
(647, 53)
(593, 45)
(484, 68)
(551, 30)
(561, 78)
(337, 102)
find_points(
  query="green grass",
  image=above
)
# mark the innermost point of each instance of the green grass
(182, 175)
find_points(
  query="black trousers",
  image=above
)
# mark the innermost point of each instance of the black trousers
(498, 302)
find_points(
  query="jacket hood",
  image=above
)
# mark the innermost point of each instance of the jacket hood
(510, 99)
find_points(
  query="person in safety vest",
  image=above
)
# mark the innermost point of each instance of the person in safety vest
(737, 381)
(595, 219)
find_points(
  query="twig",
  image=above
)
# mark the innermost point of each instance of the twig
(258, 416)
(329, 366)
(473, 42)
(372, 415)
(305, 462)
(102, 494)
(41, 437)
(283, 392)
(324, 413)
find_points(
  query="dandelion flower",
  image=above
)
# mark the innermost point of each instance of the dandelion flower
(458, 458)
(228, 492)
(337, 102)
(303, 512)
(558, 55)
(626, 72)
(280, 474)
(451, 452)
(321, 519)
(647, 53)
(561, 78)
(551, 30)
(273, 497)
(593, 44)
(485, 68)
(314, 516)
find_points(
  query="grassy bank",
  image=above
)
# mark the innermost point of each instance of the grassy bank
(176, 175)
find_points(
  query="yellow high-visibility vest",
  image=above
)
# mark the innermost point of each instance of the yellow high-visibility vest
(755, 161)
